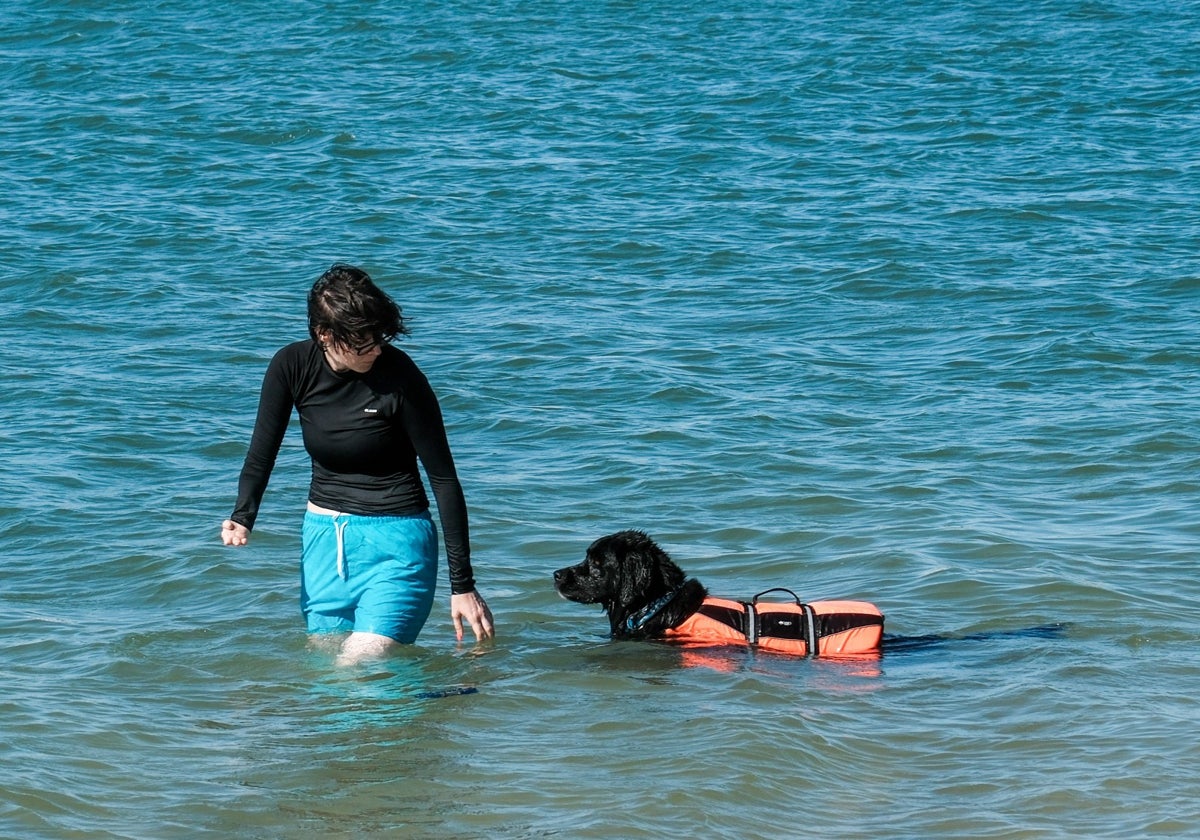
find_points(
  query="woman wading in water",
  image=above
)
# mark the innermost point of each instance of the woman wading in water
(367, 413)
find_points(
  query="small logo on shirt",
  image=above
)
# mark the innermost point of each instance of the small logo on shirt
(370, 411)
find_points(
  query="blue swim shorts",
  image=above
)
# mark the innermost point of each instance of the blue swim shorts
(369, 574)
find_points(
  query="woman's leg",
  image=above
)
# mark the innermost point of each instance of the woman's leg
(361, 647)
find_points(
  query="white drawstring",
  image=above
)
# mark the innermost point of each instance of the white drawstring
(340, 527)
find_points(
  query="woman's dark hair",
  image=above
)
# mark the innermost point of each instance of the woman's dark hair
(347, 304)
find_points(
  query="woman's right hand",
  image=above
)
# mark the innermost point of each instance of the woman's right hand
(234, 534)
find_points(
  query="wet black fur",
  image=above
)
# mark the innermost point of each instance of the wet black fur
(624, 573)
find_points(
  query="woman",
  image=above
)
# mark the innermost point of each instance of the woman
(367, 413)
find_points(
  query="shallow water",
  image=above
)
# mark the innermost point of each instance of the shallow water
(896, 304)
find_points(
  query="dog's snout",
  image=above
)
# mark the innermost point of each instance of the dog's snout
(558, 575)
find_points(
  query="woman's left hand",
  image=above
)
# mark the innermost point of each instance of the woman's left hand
(472, 607)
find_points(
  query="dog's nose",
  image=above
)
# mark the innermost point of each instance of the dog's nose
(558, 575)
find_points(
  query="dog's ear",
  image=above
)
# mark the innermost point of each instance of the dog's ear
(646, 570)
(665, 574)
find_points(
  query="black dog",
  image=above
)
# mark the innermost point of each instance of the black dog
(647, 596)
(640, 588)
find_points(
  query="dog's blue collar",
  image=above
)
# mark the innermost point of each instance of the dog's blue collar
(638, 620)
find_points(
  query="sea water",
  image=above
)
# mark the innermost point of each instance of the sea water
(885, 301)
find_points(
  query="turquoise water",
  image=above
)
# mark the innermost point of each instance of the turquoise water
(896, 303)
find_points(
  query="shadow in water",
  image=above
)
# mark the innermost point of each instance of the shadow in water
(893, 645)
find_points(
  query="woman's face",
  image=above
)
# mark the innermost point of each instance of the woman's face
(358, 358)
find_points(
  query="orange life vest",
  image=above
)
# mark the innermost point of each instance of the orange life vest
(820, 628)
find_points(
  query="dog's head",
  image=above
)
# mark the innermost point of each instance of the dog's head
(623, 573)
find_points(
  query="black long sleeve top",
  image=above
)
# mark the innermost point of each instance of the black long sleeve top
(364, 433)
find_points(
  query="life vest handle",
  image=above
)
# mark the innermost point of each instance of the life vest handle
(808, 616)
(795, 597)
